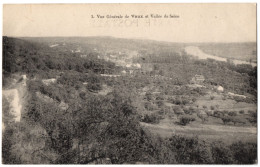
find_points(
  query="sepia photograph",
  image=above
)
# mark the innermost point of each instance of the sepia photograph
(121, 83)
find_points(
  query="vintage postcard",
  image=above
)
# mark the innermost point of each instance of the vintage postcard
(129, 83)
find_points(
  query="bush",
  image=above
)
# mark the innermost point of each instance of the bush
(94, 87)
(241, 112)
(208, 113)
(218, 114)
(194, 99)
(178, 101)
(190, 150)
(195, 151)
(185, 101)
(186, 120)
(253, 117)
(226, 120)
(203, 117)
(177, 110)
(236, 120)
(152, 118)
(232, 113)
(160, 103)
(212, 97)
(225, 112)
(221, 153)
(188, 111)
(244, 153)
(212, 107)
(148, 106)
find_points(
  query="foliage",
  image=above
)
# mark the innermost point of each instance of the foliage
(190, 150)
(184, 120)
(244, 153)
(151, 118)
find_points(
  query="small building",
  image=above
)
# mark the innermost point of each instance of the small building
(49, 81)
(220, 89)
(198, 79)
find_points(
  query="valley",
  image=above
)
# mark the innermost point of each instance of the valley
(90, 100)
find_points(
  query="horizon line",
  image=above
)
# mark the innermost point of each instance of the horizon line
(134, 38)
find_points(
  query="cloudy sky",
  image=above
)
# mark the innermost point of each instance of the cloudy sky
(190, 22)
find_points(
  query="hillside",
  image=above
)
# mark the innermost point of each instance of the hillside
(103, 100)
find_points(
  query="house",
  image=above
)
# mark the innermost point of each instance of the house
(198, 79)
(49, 81)
(220, 89)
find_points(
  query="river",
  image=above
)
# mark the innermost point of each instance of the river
(197, 52)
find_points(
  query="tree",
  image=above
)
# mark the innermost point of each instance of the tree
(226, 120)
(244, 153)
(190, 150)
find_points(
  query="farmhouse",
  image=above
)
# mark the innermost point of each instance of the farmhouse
(198, 79)
(220, 89)
(49, 81)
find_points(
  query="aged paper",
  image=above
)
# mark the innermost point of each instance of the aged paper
(129, 83)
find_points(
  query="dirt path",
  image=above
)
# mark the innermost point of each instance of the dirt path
(15, 98)
(12, 96)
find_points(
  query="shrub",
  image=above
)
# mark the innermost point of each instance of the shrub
(159, 103)
(82, 95)
(152, 118)
(241, 112)
(149, 96)
(232, 113)
(94, 87)
(189, 110)
(212, 97)
(225, 111)
(185, 101)
(212, 107)
(190, 150)
(148, 106)
(192, 109)
(253, 117)
(203, 117)
(186, 120)
(177, 110)
(209, 113)
(236, 120)
(178, 101)
(221, 153)
(226, 120)
(244, 153)
(194, 99)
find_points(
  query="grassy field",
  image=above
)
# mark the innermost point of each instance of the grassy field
(223, 104)
(210, 132)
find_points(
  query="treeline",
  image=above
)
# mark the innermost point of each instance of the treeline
(32, 58)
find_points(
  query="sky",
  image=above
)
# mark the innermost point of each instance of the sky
(191, 22)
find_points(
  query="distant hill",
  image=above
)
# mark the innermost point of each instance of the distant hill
(240, 51)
